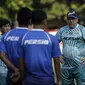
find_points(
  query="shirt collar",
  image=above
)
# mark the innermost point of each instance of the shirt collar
(37, 30)
(76, 26)
(22, 28)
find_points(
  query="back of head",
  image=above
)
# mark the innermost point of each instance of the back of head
(24, 16)
(38, 16)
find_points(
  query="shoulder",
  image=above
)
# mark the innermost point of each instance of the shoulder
(53, 38)
(81, 26)
(4, 34)
(26, 34)
(63, 28)
(50, 35)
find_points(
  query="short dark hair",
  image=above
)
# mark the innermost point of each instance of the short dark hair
(24, 16)
(4, 22)
(38, 16)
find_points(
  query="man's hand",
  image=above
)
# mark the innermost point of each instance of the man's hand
(59, 83)
(62, 60)
(16, 75)
(16, 70)
(83, 60)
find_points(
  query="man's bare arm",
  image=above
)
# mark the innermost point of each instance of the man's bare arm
(57, 67)
(8, 62)
(21, 68)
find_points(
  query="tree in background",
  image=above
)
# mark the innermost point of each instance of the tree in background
(55, 9)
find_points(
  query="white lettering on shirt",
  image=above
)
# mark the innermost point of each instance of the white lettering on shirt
(12, 38)
(36, 42)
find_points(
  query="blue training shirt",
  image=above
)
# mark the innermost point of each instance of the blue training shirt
(11, 41)
(38, 49)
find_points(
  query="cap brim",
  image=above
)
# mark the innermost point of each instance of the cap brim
(72, 17)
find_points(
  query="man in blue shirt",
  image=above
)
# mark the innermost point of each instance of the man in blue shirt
(37, 50)
(73, 38)
(11, 40)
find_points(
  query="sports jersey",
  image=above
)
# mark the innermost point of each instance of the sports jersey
(10, 39)
(73, 42)
(73, 51)
(38, 49)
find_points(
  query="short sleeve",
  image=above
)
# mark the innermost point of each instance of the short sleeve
(55, 47)
(58, 35)
(2, 47)
(83, 32)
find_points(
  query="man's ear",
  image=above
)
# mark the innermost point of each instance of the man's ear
(45, 21)
(77, 20)
(44, 24)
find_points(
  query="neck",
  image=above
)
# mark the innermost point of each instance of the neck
(38, 27)
(73, 26)
(23, 26)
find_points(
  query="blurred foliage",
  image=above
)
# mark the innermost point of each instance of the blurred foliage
(3, 13)
(55, 9)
